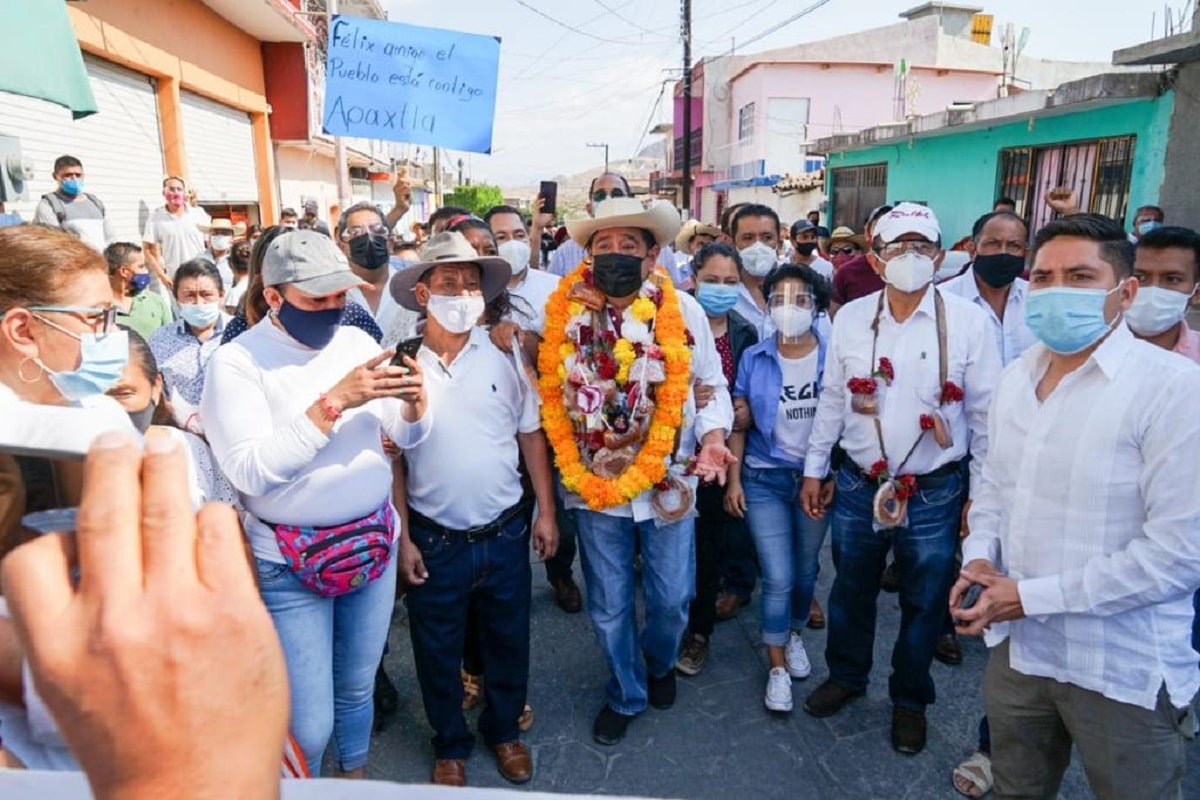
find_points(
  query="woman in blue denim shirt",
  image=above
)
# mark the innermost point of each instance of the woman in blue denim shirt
(780, 378)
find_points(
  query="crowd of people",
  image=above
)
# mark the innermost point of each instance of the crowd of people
(692, 408)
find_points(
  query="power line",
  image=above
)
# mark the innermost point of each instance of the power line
(654, 109)
(572, 28)
(803, 13)
(626, 20)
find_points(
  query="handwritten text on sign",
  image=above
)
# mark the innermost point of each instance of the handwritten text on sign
(388, 80)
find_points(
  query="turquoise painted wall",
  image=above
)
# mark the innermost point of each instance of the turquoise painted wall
(957, 173)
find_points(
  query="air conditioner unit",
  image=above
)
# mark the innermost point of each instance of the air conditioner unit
(15, 170)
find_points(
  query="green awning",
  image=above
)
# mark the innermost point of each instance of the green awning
(40, 57)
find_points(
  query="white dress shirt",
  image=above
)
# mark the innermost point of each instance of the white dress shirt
(1013, 336)
(287, 471)
(465, 473)
(1090, 500)
(395, 321)
(912, 347)
(717, 415)
(528, 300)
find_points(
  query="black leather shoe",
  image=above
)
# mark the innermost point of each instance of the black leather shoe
(908, 730)
(829, 698)
(609, 727)
(948, 650)
(662, 691)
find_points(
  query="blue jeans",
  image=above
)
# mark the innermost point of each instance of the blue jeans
(332, 646)
(606, 545)
(496, 574)
(789, 549)
(924, 555)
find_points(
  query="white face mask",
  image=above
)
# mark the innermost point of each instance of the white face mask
(1156, 310)
(758, 259)
(516, 253)
(909, 271)
(222, 242)
(792, 321)
(456, 314)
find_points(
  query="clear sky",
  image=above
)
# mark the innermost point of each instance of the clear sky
(560, 89)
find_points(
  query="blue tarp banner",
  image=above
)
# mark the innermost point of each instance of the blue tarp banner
(405, 83)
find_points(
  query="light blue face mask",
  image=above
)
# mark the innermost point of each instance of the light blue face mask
(717, 299)
(1147, 225)
(199, 315)
(102, 360)
(1068, 320)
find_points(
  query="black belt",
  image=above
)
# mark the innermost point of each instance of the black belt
(930, 480)
(477, 534)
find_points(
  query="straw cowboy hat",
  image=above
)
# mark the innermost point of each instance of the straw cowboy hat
(844, 234)
(223, 224)
(660, 218)
(690, 230)
(450, 247)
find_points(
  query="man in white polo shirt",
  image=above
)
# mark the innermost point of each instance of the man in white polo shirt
(467, 534)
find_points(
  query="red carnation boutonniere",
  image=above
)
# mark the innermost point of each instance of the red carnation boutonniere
(606, 366)
(927, 423)
(862, 385)
(951, 393)
(878, 471)
(906, 487)
(885, 372)
(586, 335)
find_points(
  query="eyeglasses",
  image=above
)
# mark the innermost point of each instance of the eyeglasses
(101, 320)
(848, 250)
(893, 249)
(601, 195)
(353, 232)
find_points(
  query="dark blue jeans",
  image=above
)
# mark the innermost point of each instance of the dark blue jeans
(739, 562)
(924, 554)
(497, 574)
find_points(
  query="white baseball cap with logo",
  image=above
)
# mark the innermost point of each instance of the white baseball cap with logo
(908, 218)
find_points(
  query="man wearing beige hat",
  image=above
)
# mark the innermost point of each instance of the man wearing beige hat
(221, 233)
(691, 237)
(622, 351)
(468, 532)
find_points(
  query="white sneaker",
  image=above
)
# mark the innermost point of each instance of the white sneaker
(798, 665)
(779, 690)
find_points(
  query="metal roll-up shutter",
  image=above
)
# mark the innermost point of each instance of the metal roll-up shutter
(120, 145)
(219, 145)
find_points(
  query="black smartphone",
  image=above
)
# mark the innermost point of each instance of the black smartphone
(549, 192)
(409, 347)
(969, 599)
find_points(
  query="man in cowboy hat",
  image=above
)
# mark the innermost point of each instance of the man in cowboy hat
(691, 237)
(623, 241)
(221, 232)
(855, 278)
(460, 544)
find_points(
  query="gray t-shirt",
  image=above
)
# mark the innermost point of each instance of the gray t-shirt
(81, 216)
(178, 238)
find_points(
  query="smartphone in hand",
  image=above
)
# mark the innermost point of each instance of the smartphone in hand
(410, 348)
(549, 192)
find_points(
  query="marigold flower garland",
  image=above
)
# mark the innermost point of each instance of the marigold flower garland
(661, 310)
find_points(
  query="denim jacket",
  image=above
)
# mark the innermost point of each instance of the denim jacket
(760, 379)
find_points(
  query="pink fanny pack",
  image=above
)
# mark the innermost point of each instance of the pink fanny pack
(339, 560)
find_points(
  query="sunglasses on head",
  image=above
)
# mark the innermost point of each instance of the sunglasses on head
(601, 195)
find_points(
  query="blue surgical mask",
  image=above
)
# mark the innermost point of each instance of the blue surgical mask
(139, 282)
(102, 360)
(1068, 320)
(200, 316)
(71, 186)
(717, 299)
(313, 329)
(1147, 225)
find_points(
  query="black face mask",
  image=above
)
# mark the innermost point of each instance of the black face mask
(616, 274)
(141, 419)
(805, 248)
(370, 252)
(999, 270)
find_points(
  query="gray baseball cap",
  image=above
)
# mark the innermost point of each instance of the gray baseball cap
(310, 261)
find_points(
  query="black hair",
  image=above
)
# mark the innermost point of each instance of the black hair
(727, 216)
(874, 214)
(1173, 236)
(1115, 248)
(170, 178)
(62, 162)
(239, 256)
(288, 212)
(253, 229)
(141, 355)
(197, 268)
(822, 292)
(1155, 209)
(712, 250)
(118, 254)
(752, 210)
(1004, 201)
(354, 209)
(494, 210)
(472, 224)
(624, 183)
(446, 212)
(977, 228)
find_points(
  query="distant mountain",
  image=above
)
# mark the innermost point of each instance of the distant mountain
(572, 189)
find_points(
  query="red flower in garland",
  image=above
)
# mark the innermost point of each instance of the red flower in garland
(586, 335)
(906, 487)
(878, 470)
(951, 393)
(606, 366)
(862, 385)
(885, 371)
(926, 422)
(609, 338)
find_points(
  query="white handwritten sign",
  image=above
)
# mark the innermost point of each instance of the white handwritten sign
(405, 83)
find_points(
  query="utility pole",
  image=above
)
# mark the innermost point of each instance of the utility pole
(438, 200)
(339, 144)
(685, 30)
(605, 146)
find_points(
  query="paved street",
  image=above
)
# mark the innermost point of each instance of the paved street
(718, 741)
